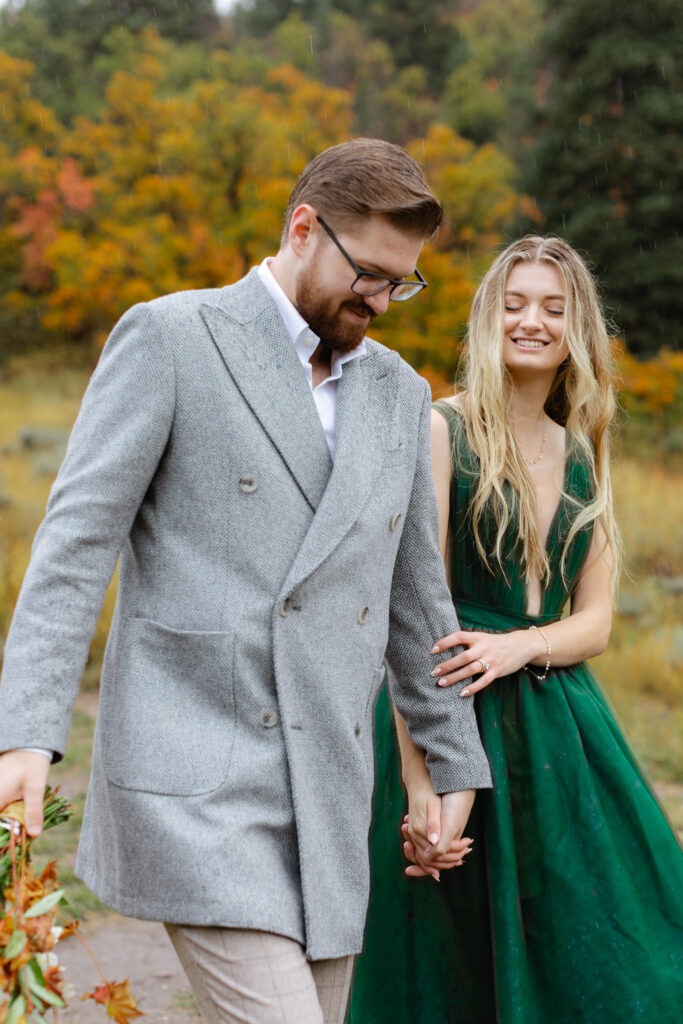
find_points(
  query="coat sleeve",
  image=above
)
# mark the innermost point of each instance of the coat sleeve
(117, 441)
(421, 612)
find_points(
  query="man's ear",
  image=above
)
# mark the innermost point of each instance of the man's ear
(302, 228)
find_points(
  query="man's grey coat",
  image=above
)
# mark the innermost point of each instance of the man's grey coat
(260, 589)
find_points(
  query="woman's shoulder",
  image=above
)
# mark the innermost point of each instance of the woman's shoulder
(449, 420)
(451, 409)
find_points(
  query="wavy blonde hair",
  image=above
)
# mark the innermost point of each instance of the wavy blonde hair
(581, 399)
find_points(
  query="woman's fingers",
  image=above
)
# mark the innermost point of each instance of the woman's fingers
(478, 684)
(423, 852)
(463, 636)
(419, 867)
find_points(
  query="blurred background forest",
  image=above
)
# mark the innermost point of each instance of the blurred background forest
(148, 146)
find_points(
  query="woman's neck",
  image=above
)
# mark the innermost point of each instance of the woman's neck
(526, 403)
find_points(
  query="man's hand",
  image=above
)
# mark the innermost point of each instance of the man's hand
(23, 776)
(455, 810)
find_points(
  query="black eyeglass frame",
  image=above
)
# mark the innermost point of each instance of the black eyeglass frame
(389, 282)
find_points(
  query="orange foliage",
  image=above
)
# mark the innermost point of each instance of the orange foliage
(162, 193)
(653, 389)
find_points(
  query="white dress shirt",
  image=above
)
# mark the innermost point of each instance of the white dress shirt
(305, 344)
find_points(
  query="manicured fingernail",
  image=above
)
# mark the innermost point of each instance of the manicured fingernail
(435, 649)
(436, 671)
(464, 693)
(434, 838)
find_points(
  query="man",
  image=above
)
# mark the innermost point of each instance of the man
(262, 468)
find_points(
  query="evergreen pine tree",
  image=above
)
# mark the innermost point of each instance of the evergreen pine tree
(606, 161)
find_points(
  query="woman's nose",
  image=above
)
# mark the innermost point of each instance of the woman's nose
(531, 320)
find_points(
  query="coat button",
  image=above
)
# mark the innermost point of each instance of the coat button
(395, 520)
(269, 718)
(285, 608)
(248, 484)
(358, 731)
(363, 615)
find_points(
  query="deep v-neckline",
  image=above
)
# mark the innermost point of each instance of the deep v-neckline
(551, 534)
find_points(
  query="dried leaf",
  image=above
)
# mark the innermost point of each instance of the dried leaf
(119, 1000)
(15, 811)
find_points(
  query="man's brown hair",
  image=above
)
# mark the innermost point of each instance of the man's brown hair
(364, 177)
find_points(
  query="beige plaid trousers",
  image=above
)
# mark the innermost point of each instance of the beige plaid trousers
(251, 977)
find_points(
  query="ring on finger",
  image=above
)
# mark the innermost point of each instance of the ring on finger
(484, 665)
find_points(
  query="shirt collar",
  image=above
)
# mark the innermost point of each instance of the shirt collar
(305, 340)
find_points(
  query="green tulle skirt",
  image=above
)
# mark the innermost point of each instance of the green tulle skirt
(569, 908)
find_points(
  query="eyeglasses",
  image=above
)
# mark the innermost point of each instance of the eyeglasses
(369, 283)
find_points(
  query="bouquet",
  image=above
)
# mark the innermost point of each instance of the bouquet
(31, 924)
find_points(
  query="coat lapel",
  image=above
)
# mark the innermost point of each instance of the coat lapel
(365, 431)
(261, 359)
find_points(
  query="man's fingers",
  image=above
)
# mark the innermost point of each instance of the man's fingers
(24, 777)
(33, 807)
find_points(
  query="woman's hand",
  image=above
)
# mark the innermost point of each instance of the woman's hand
(487, 656)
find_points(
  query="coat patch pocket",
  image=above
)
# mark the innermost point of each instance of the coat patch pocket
(169, 722)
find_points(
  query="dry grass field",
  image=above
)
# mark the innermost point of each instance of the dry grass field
(641, 671)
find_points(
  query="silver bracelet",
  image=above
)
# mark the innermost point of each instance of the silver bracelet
(547, 664)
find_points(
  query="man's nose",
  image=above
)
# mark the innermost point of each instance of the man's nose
(378, 303)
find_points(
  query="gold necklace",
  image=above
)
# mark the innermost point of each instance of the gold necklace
(532, 462)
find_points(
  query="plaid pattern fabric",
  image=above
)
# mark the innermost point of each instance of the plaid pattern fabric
(255, 977)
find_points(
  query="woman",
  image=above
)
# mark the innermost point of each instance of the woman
(570, 905)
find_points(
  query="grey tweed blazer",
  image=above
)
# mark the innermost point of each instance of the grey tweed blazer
(260, 589)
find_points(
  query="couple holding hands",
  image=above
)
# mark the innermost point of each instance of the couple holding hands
(261, 468)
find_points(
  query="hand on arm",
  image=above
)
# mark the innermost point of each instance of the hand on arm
(23, 776)
(583, 634)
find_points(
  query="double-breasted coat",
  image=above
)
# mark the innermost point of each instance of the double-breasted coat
(260, 589)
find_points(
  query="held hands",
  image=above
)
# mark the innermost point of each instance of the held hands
(487, 656)
(23, 776)
(433, 828)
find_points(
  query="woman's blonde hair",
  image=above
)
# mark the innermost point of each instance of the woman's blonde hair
(581, 399)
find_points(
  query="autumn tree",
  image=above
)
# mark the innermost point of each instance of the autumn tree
(476, 187)
(189, 188)
(606, 167)
(77, 44)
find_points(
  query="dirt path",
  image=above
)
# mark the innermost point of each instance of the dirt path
(125, 948)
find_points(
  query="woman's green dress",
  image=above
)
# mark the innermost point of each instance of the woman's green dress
(570, 906)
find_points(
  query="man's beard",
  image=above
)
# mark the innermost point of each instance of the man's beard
(324, 320)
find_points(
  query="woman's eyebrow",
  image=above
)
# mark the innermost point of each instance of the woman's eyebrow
(521, 295)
